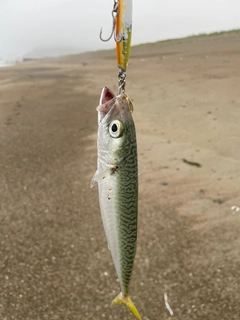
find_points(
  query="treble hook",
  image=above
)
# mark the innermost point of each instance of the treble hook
(114, 16)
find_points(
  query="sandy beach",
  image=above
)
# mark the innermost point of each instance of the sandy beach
(54, 261)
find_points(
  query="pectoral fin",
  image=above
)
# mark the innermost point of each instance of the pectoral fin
(100, 177)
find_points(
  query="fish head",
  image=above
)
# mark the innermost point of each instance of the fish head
(115, 127)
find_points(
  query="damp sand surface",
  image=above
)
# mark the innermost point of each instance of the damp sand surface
(54, 261)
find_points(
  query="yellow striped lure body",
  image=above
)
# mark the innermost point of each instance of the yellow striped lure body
(123, 32)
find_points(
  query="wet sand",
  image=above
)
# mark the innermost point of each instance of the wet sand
(54, 261)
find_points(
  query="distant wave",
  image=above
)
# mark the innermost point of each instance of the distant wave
(4, 63)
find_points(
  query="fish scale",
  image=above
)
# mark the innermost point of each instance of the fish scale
(126, 211)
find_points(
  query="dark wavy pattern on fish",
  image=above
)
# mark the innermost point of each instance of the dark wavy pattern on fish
(127, 207)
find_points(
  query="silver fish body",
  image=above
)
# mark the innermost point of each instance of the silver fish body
(117, 178)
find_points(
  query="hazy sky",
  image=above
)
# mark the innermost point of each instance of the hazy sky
(25, 24)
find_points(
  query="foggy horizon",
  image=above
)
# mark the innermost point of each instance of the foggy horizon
(60, 23)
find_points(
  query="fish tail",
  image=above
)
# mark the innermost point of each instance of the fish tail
(120, 299)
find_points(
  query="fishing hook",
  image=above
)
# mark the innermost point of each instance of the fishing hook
(114, 16)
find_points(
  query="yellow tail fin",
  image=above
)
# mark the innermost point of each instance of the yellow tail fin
(120, 299)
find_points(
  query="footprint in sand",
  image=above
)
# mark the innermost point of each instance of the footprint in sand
(8, 122)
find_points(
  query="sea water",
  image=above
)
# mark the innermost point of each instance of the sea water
(4, 63)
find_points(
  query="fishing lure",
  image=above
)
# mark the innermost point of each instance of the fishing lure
(122, 32)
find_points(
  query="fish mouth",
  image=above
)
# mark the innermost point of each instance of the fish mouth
(107, 101)
(106, 95)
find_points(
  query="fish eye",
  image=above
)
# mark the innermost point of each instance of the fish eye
(115, 128)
